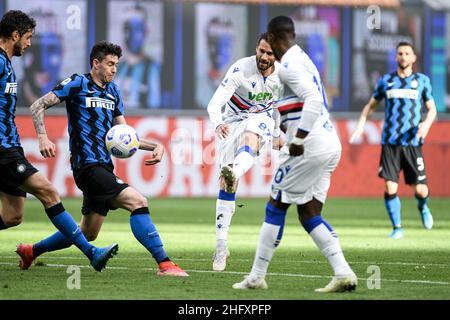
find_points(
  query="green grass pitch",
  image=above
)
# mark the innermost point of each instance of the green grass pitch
(415, 267)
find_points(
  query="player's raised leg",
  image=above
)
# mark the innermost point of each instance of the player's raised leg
(145, 231)
(42, 189)
(245, 155)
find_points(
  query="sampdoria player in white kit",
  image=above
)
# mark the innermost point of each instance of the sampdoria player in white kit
(248, 92)
(306, 163)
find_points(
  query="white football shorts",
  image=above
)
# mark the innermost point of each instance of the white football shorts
(300, 179)
(260, 123)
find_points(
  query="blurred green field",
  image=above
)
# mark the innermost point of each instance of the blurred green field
(415, 267)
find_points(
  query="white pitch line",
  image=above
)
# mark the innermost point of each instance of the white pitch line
(418, 264)
(307, 276)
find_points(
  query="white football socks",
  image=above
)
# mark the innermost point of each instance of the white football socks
(224, 213)
(242, 163)
(331, 249)
(266, 247)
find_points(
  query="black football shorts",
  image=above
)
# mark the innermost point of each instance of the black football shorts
(407, 158)
(14, 170)
(99, 185)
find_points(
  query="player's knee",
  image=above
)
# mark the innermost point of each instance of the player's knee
(13, 219)
(390, 187)
(421, 190)
(48, 195)
(275, 215)
(139, 202)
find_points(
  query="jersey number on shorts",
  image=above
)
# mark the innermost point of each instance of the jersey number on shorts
(420, 164)
(281, 173)
(264, 128)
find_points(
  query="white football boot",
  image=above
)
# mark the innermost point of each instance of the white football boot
(340, 284)
(250, 283)
(220, 259)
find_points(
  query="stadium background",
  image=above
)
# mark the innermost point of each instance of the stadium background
(186, 46)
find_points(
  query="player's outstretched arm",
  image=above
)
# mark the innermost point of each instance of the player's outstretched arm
(368, 109)
(425, 125)
(156, 149)
(46, 147)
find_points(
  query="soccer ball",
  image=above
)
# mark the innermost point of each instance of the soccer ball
(122, 141)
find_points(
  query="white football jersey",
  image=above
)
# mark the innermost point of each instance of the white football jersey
(244, 91)
(304, 105)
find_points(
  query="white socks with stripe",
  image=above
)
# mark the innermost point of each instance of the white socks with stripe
(328, 243)
(269, 238)
(243, 161)
(225, 206)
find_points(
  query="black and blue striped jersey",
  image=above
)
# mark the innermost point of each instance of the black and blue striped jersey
(9, 137)
(403, 99)
(90, 110)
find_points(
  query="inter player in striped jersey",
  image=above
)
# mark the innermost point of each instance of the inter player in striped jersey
(247, 92)
(403, 134)
(94, 105)
(305, 164)
(17, 175)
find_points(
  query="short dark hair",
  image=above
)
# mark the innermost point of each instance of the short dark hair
(262, 36)
(101, 49)
(16, 20)
(281, 27)
(405, 44)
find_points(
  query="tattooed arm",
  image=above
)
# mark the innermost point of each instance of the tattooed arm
(46, 147)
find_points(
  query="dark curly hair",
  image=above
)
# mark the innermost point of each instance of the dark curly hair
(16, 20)
(102, 49)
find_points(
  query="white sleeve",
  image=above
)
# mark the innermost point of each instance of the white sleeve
(302, 84)
(222, 95)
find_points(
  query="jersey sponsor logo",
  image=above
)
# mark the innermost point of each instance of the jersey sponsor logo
(11, 88)
(402, 94)
(92, 102)
(262, 96)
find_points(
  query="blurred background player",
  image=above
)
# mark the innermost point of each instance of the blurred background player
(94, 105)
(403, 134)
(220, 42)
(247, 92)
(18, 176)
(42, 62)
(305, 165)
(138, 75)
